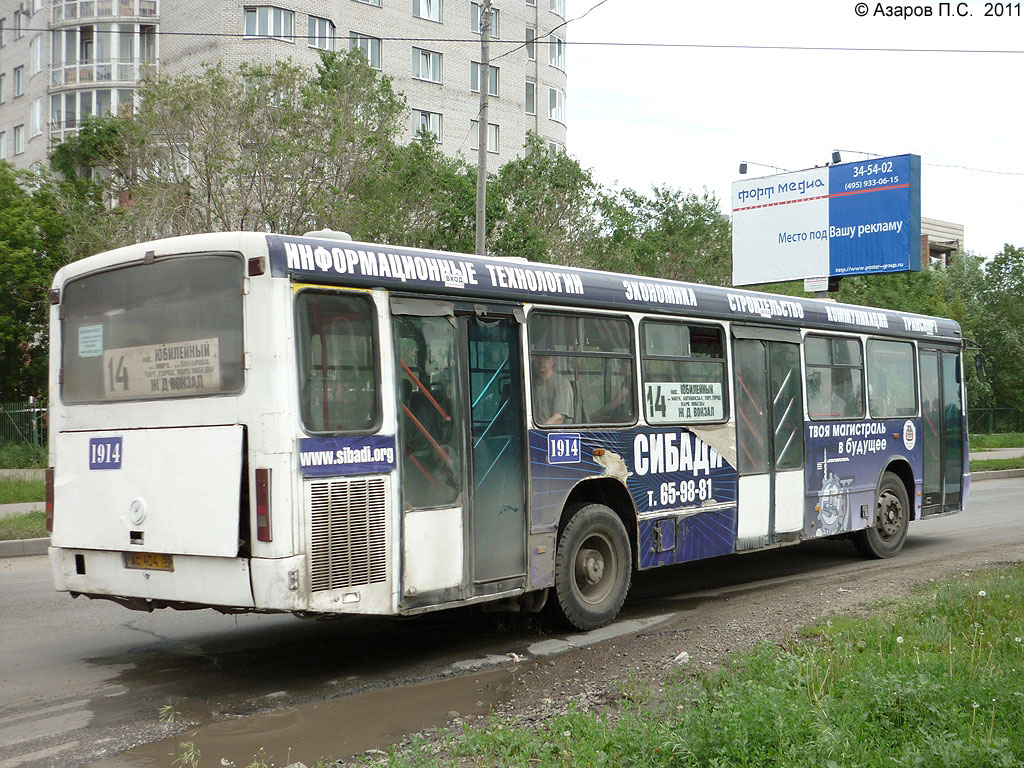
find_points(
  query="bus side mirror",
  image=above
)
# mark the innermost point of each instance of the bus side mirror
(979, 364)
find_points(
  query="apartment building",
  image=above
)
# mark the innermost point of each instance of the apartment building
(63, 59)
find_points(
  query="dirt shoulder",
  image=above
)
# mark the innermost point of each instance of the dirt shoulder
(711, 631)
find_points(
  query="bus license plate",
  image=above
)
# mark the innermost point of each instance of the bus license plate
(148, 561)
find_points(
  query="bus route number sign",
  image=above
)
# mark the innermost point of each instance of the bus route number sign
(564, 448)
(104, 453)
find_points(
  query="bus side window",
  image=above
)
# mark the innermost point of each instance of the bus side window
(338, 362)
(583, 369)
(835, 377)
(892, 387)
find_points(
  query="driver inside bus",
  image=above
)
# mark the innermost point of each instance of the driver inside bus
(552, 393)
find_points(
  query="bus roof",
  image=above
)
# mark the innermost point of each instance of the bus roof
(457, 274)
(333, 262)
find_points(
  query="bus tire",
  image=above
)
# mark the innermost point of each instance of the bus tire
(593, 567)
(885, 537)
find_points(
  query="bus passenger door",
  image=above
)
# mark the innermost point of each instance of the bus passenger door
(769, 436)
(941, 431)
(498, 471)
(431, 446)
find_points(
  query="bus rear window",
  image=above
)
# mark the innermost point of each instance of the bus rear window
(165, 329)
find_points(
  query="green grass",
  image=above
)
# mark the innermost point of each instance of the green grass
(30, 525)
(1004, 440)
(17, 490)
(988, 465)
(20, 456)
(937, 679)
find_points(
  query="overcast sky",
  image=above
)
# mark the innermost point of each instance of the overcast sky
(640, 116)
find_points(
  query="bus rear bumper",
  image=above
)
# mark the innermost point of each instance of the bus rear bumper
(195, 580)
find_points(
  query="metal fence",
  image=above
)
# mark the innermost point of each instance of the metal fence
(988, 421)
(22, 424)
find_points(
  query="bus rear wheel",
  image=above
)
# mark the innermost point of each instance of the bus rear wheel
(885, 537)
(592, 567)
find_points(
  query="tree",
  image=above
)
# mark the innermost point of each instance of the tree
(420, 198)
(672, 234)
(1000, 326)
(261, 148)
(31, 234)
(546, 207)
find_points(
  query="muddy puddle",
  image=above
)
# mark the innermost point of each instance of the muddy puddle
(335, 728)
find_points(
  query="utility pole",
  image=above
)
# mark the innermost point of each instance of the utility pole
(484, 80)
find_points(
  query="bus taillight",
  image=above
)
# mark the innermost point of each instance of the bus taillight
(49, 499)
(263, 532)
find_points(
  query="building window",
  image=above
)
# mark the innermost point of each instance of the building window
(427, 9)
(268, 21)
(320, 33)
(19, 139)
(555, 148)
(493, 132)
(531, 97)
(37, 6)
(835, 377)
(19, 27)
(3, 32)
(556, 52)
(426, 65)
(369, 2)
(556, 104)
(429, 122)
(557, 6)
(3, 88)
(3, 145)
(531, 45)
(36, 54)
(474, 79)
(35, 122)
(56, 112)
(370, 46)
(532, 3)
(474, 20)
(19, 81)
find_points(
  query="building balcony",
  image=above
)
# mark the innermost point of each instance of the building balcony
(88, 10)
(113, 72)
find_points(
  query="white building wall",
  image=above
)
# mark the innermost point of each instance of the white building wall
(16, 111)
(223, 42)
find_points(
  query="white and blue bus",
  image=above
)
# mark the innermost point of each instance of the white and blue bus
(257, 422)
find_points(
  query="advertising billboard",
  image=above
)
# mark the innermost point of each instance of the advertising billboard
(839, 220)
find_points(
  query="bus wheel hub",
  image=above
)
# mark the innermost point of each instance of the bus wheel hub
(590, 566)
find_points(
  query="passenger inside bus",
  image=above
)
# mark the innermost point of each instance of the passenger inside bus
(552, 394)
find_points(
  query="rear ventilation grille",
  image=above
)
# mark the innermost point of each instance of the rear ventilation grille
(349, 541)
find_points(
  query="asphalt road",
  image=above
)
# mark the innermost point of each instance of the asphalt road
(80, 679)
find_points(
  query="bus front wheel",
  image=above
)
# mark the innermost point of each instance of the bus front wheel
(885, 537)
(592, 567)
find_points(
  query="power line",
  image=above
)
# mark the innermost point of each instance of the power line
(941, 165)
(606, 43)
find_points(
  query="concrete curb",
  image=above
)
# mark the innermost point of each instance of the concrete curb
(996, 474)
(24, 547)
(24, 474)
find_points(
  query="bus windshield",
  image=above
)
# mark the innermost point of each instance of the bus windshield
(166, 329)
